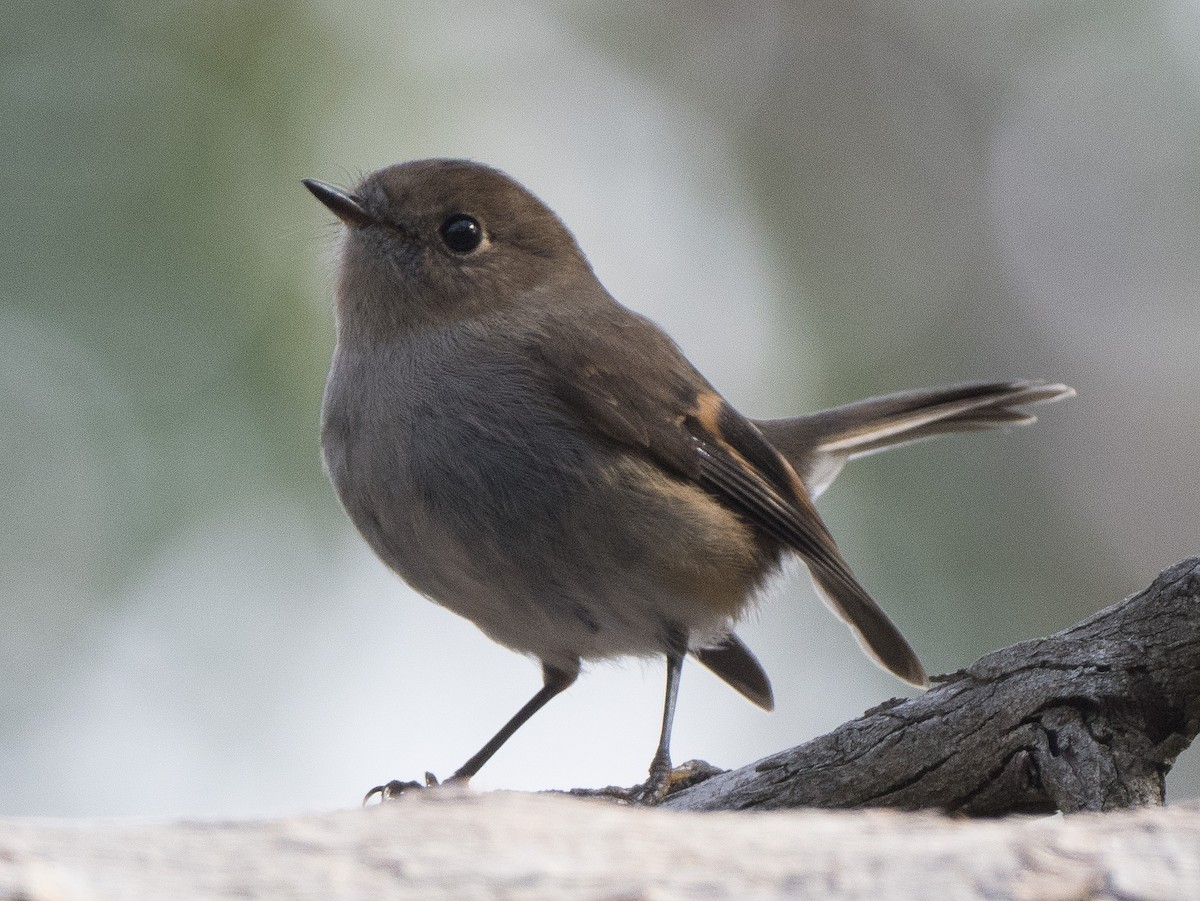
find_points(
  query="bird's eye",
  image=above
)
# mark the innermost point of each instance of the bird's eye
(461, 233)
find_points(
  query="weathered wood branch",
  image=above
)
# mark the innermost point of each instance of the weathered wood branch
(1090, 718)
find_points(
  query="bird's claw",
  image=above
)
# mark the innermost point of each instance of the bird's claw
(394, 789)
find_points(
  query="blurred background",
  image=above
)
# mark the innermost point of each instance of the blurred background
(819, 201)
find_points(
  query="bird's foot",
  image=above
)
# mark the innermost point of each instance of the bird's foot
(662, 783)
(394, 789)
(654, 789)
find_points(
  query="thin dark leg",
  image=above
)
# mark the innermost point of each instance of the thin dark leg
(660, 766)
(554, 682)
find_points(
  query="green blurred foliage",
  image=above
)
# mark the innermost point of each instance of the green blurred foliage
(147, 222)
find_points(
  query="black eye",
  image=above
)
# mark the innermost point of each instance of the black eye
(461, 233)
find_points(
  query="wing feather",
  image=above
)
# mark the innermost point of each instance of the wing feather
(639, 391)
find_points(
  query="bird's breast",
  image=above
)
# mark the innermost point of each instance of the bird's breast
(482, 492)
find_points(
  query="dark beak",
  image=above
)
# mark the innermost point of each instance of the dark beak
(341, 203)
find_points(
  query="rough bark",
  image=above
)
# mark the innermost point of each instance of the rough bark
(1090, 718)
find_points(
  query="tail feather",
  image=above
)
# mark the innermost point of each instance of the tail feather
(737, 665)
(820, 444)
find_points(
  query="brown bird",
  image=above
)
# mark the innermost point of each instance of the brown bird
(525, 451)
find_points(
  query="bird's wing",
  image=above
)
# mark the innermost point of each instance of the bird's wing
(638, 390)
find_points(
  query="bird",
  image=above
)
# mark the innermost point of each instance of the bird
(527, 452)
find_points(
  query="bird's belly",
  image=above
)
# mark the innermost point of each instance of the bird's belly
(489, 499)
(554, 550)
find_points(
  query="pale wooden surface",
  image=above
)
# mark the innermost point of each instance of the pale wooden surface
(447, 845)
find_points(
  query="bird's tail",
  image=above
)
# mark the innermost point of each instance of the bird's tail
(818, 445)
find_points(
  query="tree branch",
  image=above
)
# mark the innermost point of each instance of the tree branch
(1090, 718)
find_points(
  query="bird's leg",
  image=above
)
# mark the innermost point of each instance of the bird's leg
(659, 780)
(554, 682)
(655, 787)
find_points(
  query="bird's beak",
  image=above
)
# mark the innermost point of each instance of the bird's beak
(341, 203)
